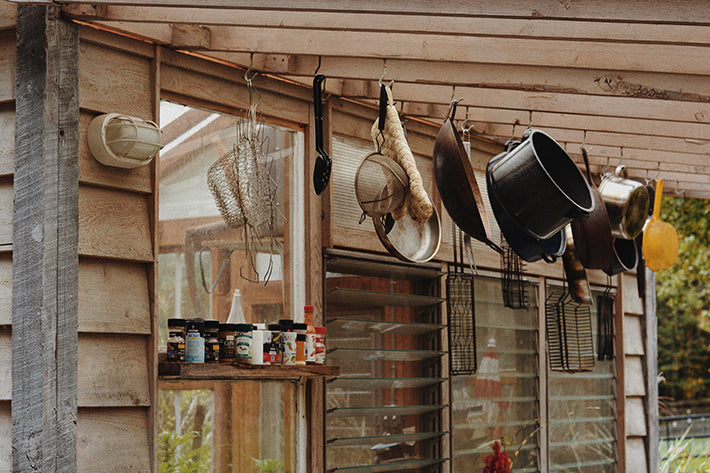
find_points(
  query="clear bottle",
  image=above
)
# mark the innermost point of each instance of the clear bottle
(176, 340)
(236, 312)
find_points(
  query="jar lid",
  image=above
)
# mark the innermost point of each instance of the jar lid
(259, 326)
(212, 324)
(301, 337)
(320, 330)
(300, 326)
(286, 322)
(195, 324)
(308, 308)
(230, 327)
(243, 327)
(275, 327)
(176, 322)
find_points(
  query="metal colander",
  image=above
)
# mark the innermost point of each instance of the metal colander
(380, 184)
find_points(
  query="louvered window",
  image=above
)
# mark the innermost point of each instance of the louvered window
(385, 410)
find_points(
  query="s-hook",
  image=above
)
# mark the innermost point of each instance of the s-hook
(248, 79)
(317, 68)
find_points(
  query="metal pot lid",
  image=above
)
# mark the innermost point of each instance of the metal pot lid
(409, 240)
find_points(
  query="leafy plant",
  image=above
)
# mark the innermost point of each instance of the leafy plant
(676, 457)
(268, 465)
(176, 455)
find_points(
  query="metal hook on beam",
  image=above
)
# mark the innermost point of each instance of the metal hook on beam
(246, 73)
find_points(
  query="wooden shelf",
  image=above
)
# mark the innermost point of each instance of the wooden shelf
(224, 371)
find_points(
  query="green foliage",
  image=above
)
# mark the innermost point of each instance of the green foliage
(176, 455)
(683, 292)
(677, 456)
(268, 465)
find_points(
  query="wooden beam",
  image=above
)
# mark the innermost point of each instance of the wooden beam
(652, 11)
(440, 47)
(430, 22)
(45, 228)
(496, 76)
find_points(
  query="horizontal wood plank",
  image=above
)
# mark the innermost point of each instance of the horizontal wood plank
(7, 63)
(107, 39)
(430, 22)
(8, 19)
(113, 440)
(93, 172)
(7, 139)
(114, 81)
(113, 370)
(229, 94)
(5, 365)
(636, 455)
(5, 288)
(632, 302)
(634, 335)
(653, 11)
(226, 371)
(5, 433)
(113, 297)
(634, 379)
(635, 417)
(114, 224)
(481, 49)
(6, 209)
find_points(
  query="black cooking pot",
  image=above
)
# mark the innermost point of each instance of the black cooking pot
(529, 248)
(539, 186)
(625, 257)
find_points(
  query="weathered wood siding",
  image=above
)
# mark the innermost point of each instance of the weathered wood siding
(7, 153)
(116, 257)
(635, 360)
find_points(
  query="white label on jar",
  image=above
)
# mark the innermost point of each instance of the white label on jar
(243, 346)
(289, 348)
(310, 348)
(194, 349)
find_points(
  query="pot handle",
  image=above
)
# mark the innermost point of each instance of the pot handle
(549, 258)
(621, 171)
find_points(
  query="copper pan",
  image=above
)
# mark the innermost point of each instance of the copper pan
(457, 184)
(593, 242)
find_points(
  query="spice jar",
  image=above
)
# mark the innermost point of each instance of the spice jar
(243, 343)
(300, 330)
(276, 340)
(310, 335)
(227, 343)
(320, 345)
(211, 341)
(260, 345)
(194, 341)
(288, 342)
(176, 340)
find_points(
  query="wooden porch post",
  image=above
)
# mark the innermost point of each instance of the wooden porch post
(45, 236)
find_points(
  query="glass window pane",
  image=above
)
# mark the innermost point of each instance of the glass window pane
(499, 402)
(583, 417)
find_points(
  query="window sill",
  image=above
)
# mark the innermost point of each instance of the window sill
(224, 371)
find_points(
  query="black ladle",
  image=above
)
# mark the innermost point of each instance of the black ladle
(323, 164)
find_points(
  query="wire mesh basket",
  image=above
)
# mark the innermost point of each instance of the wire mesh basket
(569, 333)
(513, 285)
(460, 308)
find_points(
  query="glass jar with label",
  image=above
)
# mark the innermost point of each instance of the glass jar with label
(227, 343)
(211, 341)
(176, 340)
(243, 343)
(320, 345)
(194, 341)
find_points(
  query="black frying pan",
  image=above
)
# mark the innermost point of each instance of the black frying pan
(457, 183)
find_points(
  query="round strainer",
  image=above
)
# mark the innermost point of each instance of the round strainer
(380, 184)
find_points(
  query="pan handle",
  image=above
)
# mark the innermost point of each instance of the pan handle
(383, 107)
(318, 81)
